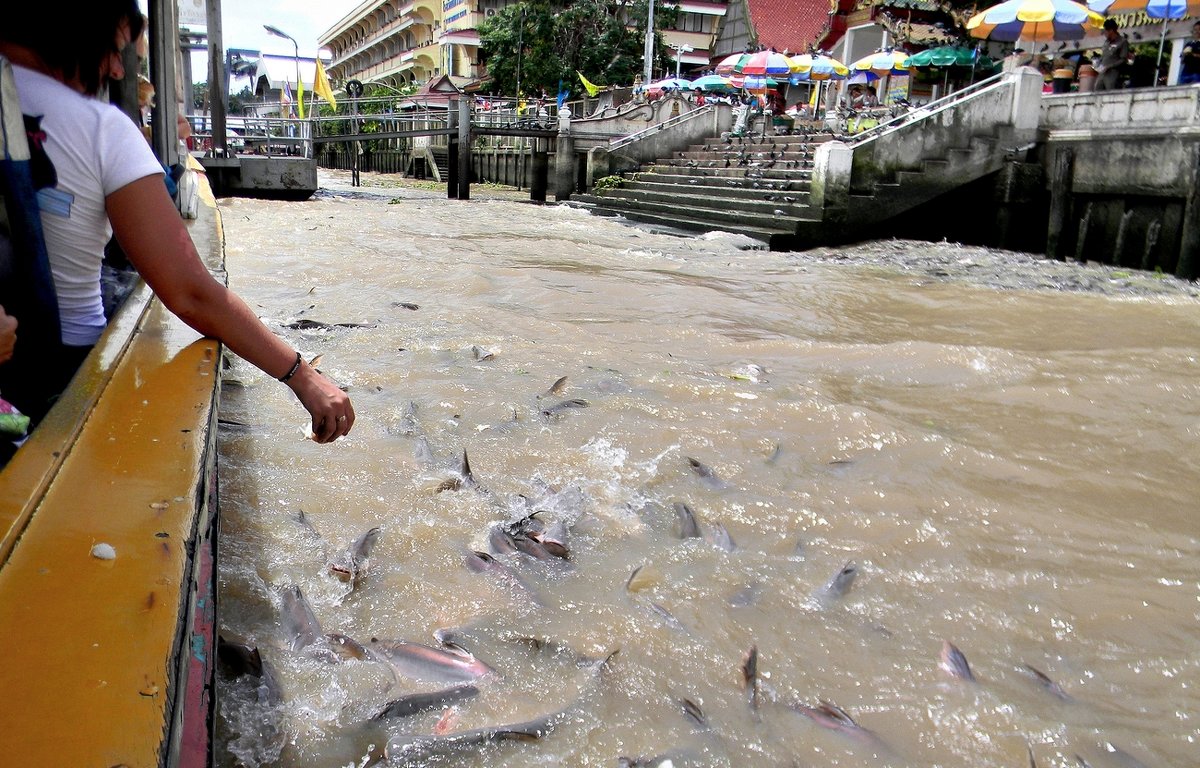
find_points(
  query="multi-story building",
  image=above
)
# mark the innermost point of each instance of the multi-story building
(394, 42)
(397, 42)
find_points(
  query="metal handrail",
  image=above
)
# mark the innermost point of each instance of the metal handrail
(927, 110)
(657, 127)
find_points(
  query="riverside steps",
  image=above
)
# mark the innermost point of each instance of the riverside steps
(757, 186)
(1109, 177)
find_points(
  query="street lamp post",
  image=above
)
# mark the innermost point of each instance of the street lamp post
(295, 46)
(680, 49)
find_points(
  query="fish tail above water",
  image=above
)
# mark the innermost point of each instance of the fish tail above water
(1044, 680)
(355, 560)
(954, 663)
(719, 537)
(239, 658)
(692, 711)
(556, 388)
(688, 527)
(750, 676)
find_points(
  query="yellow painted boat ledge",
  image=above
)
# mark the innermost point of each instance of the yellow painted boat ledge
(109, 661)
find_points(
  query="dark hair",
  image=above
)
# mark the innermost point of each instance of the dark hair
(1110, 24)
(71, 37)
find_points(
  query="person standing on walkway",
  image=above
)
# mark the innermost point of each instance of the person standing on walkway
(1113, 57)
(1189, 63)
(108, 181)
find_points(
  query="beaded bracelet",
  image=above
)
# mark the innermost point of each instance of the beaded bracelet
(295, 368)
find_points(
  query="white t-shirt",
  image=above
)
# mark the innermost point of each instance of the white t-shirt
(96, 150)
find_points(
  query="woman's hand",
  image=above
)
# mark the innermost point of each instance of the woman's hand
(332, 412)
(8, 335)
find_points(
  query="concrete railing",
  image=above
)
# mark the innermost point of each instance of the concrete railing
(1152, 111)
(624, 139)
(1012, 101)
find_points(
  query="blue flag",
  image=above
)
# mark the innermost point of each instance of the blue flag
(562, 95)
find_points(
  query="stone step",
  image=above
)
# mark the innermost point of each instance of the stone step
(757, 140)
(735, 159)
(751, 174)
(714, 219)
(693, 186)
(675, 221)
(712, 205)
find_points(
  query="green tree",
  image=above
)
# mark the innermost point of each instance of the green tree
(199, 96)
(239, 100)
(549, 40)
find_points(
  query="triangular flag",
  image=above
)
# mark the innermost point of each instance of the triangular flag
(591, 88)
(321, 85)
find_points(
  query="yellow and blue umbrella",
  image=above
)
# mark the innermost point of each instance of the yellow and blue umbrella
(1155, 9)
(808, 66)
(1034, 20)
(883, 63)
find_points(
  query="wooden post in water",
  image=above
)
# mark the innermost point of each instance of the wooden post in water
(1060, 201)
(452, 150)
(464, 149)
(218, 93)
(1188, 266)
(540, 168)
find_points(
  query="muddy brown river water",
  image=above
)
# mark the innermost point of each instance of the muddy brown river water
(1013, 471)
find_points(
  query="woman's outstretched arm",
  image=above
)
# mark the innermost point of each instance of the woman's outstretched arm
(152, 234)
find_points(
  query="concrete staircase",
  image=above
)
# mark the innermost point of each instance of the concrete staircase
(876, 200)
(755, 186)
(763, 187)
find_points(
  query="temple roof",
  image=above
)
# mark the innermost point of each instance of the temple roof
(788, 25)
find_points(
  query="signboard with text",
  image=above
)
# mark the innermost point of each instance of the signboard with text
(192, 13)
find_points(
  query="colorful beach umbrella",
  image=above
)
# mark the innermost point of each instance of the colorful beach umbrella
(672, 83)
(765, 63)
(713, 83)
(730, 64)
(1034, 20)
(1155, 9)
(883, 63)
(809, 66)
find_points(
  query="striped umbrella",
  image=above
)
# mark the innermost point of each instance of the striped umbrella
(712, 83)
(1155, 9)
(1034, 20)
(883, 63)
(765, 63)
(728, 65)
(808, 66)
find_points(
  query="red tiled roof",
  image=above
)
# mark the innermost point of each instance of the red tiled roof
(790, 25)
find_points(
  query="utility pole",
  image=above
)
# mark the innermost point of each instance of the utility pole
(648, 55)
(520, 52)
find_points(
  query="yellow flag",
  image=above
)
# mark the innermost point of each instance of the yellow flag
(321, 85)
(591, 88)
(300, 97)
